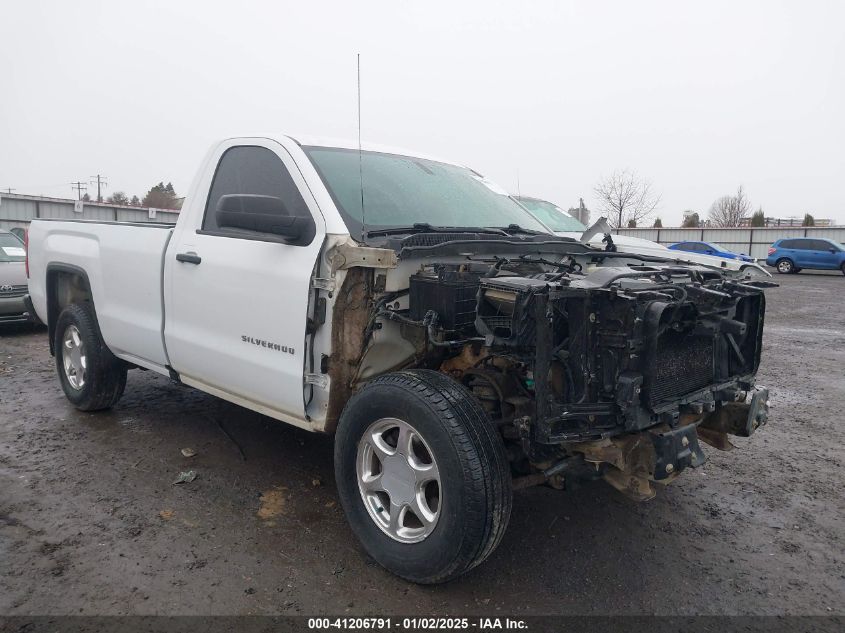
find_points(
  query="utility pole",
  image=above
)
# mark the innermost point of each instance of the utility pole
(101, 182)
(80, 187)
(9, 189)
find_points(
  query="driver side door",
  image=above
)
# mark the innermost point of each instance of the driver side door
(238, 299)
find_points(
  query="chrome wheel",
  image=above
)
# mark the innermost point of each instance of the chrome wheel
(73, 357)
(399, 480)
(784, 267)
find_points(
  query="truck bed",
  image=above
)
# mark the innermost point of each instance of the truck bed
(123, 263)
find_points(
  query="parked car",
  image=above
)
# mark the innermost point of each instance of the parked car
(565, 225)
(791, 255)
(454, 348)
(710, 248)
(19, 233)
(12, 279)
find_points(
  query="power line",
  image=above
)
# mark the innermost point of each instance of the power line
(101, 182)
(9, 189)
(80, 187)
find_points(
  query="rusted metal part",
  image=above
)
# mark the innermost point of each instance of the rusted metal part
(349, 255)
(739, 418)
(636, 460)
(553, 473)
(468, 358)
(628, 453)
(534, 479)
(633, 486)
(716, 439)
(350, 316)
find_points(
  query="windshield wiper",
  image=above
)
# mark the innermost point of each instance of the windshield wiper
(515, 228)
(425, 227)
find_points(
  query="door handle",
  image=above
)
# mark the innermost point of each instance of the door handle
(188, 258)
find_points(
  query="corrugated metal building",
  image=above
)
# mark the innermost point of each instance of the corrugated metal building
(20, 210)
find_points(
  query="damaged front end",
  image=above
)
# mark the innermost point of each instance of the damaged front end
(616, 373)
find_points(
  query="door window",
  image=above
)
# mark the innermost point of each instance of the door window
(255, 171)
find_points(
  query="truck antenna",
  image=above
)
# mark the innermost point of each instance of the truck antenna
(360, 157)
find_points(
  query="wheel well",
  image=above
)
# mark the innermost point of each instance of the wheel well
(65, 286)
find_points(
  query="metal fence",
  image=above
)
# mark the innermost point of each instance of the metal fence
(754, 242)
(19, 210)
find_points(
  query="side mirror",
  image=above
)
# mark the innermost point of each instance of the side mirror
(833, 250)
(263, 214)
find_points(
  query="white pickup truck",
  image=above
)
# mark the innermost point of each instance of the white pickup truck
(454, 347)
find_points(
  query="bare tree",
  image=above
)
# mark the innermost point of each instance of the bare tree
(730, 210)
(624, 197)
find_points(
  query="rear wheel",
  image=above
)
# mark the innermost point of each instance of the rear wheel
(91, 376)
(422, 475)
(785, 266)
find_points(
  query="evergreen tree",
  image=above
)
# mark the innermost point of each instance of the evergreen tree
(161, 196)
(691, 220)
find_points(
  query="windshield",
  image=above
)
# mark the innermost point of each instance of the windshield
(403, 190)
(11, 249)
(718, 247)
(551, 215)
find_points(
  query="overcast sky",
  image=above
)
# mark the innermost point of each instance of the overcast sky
(697, 97)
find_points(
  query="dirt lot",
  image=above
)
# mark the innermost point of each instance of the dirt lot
(90, 522)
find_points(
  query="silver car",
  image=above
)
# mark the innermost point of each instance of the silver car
(12, 279)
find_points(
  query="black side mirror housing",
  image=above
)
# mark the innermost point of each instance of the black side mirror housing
(262, 214)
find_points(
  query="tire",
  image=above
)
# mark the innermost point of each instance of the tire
(102, 381)
(785, 266)
(842, 268)
(473, 500)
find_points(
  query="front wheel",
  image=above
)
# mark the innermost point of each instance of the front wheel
(785, 266)
(422, 475)
(91, 376)
(842, 268)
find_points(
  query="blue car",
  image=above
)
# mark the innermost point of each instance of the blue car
(792, 254)
(710, 248)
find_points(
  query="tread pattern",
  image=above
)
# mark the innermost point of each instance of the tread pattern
(106, 372)
(481, 451)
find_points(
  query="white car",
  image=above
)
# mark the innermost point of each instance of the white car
(565, 225)
(12, 279)
(453, 347)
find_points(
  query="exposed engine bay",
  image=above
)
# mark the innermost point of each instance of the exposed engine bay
(611, 371)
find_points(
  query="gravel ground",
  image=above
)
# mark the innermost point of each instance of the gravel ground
(90, 522)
